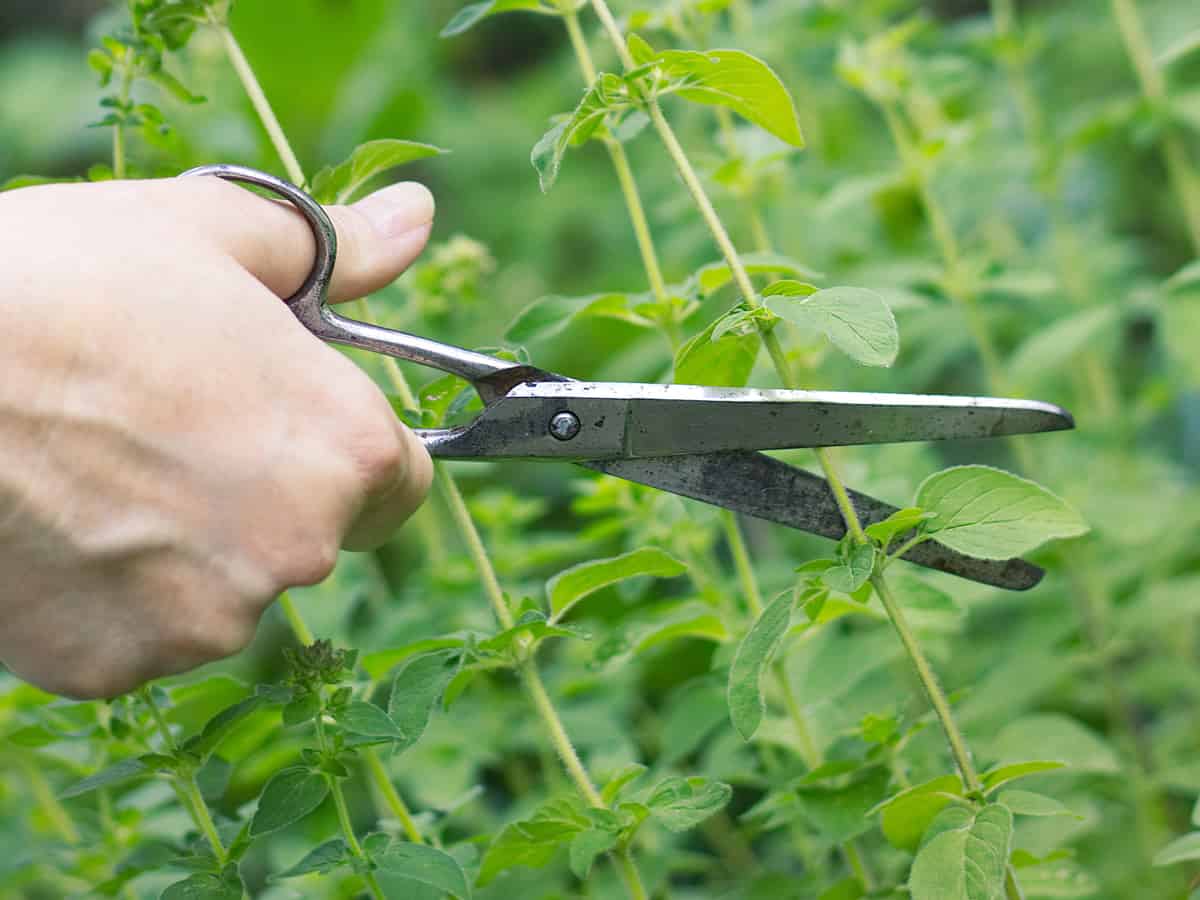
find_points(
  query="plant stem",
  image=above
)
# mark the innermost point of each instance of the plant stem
(118, 148)
(620, 161)
(343, 814)
(741, 278)
(937, 698)
(261, 105)
(741, 562)
(1184, 178)
(299, 627)
(391, 796)
(461, 517)
(558, 734)
(629, 875)
(52, 808)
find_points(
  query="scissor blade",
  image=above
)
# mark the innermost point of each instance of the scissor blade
(633, 421)
(669, 419)
(759, 486)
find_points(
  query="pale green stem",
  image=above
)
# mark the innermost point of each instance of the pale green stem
(625, 176)
(189, 790)
(299, 627)
(628, 871)
(118, 149)
(343, 814)
(261, 105)
(558, 734)
(1183, 176)
(461, 517)
(937, 698)
(741, 562)
(51, 807)
(850, 515)
(391, 796)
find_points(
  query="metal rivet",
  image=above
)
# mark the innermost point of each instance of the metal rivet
(564, 425)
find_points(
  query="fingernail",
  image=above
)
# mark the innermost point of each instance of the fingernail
(399, 209)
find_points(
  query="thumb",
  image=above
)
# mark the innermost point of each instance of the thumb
(377, 238)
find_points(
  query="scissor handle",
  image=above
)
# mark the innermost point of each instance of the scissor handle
(311, 303)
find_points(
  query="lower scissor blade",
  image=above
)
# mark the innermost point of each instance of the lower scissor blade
(766, 488)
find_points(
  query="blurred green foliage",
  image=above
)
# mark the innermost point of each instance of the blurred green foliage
(1078, 255)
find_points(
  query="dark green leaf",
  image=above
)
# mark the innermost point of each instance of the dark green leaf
(906, 816)
(468, 16)
(416, 689)
(683, 803)
(367, 719)
(325, 858)
(117, 773)
(289, 796)
(533, 842)
(1184, 849)
(854, 570)
(717, 363)
(421, 864)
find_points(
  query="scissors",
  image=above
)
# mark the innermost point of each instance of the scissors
(699, 442)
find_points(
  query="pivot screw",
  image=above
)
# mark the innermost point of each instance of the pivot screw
(564, 426)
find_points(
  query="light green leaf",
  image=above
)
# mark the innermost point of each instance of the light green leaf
(624, 777)
(966, 857)
(468, 16)
(736, 80)
(574, 584)
(1029, 803)
(289, 796)
(994, 514)
(1183, 849)
(220, 725)
(905, 817)
(324, 858)
(1058, 737)
(338, 184)
(548, 316)
(840, 813)
(683, 803)
(368, 720)
(381, 662)
(117, 773)
(1187, 277)
(898, 523)
(1054, 347)
(416, 689)
(607, 95)
(421, 864)
(744, 694)
(856, 320)
(1184, 46)
(854, 570)
(532, 842)
(707, 627)
(534, 624)
(714, 276)
(1002, 775)
(717, 363)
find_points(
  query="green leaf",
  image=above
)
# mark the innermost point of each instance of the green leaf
(717, 363)
(218, 727)
(1183, 849)
(289, 796)
(994, 514)
(421, 864)
(533, 842)
(1029, 803)
(1180, 48)
(325, 858)
(367, 719)
(117, 773)
(714, 276)
(840, 813)
(589, 844)
(1053, 348)
(706, 626)
(1059, 737)
(744, 694)
(204, 886)
(906, 816)
(898, 523)
(1002, 775)
(683, 803)
(856, 320)
(574, 584)
(303, 709)
(736, 80)
(338, 184)
(607, 95)
(381, 662)
(853, 572)
(468, 16)
(534, 624)
(624, 777)
(548, 316)
(967, 856)
(417, 688)
(1187, 277)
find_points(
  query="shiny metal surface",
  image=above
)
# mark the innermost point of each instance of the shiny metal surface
(757, 485)
(634, 421)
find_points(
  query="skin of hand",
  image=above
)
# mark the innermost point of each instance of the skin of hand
(175, 448)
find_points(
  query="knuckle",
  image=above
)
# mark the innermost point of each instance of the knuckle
(374, 443)
(309, 564)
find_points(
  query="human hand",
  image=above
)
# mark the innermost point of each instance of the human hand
(175, 448)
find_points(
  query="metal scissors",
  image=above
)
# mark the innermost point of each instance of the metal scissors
(698, 442)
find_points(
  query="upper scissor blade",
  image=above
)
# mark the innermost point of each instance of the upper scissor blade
(666, 420)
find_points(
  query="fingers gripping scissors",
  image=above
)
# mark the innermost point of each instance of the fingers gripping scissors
(698, 442)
